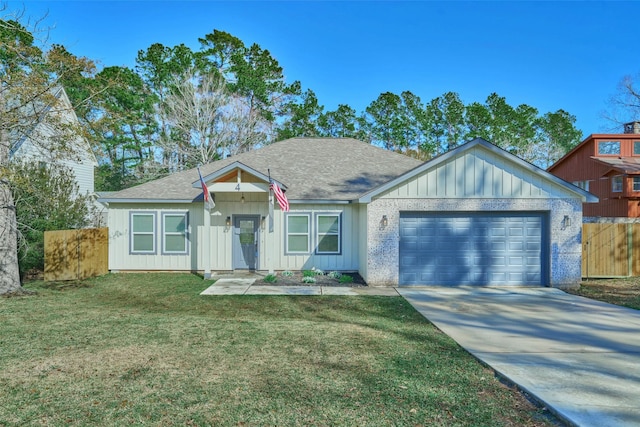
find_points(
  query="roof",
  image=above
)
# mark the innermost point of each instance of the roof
(591, 138)
(584, 195)
(628, 165)
(18, 136)
(332, 169)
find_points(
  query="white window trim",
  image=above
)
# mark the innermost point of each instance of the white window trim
(185, 234)
(614, 183)
(287, 233)
(133, 233)
(317, 233)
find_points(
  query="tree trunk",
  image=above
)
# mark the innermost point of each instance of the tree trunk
(9, 271)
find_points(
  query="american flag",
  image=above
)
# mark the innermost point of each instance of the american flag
(208, 201)
(282, 199)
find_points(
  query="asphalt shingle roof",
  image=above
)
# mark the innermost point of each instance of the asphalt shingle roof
(310, 168)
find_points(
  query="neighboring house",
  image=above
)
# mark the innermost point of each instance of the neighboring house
(608, 166)
(34, 146)
(476, 215)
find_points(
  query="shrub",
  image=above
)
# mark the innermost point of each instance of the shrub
(346, 279)
(318, 272)
(287, 273)
(308, 273)
(308, 279)
(270, 278)
(335, 275)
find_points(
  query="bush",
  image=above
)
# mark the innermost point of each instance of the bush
(346, 279)
(308, 273)
(287, 273)
(270, 278)
(335, 275)
(46, 198)
(308, 279)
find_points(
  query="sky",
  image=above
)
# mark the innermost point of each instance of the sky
(550, 55)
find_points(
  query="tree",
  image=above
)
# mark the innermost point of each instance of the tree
(303, 116)
(46, 199)
(341, 123)
(251, 73)
(27, 97)
(624, 104)
(445, 123)
(207, 121)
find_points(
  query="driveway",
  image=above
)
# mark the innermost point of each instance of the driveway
(578, 357)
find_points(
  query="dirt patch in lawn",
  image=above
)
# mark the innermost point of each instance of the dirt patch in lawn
(625, 292)
(296, 278)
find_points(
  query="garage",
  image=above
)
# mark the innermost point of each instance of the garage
(473, 248)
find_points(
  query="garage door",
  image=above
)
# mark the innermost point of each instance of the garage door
(472, 249)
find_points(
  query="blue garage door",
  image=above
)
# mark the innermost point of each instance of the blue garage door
(484, 249)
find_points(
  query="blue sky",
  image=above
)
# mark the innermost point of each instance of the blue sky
(550, 55)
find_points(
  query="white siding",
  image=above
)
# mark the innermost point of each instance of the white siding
(271, 244)
(477, 173)
(120, 256)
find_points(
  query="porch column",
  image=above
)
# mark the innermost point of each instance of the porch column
(206, 243)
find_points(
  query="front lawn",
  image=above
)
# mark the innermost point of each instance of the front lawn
(147, 349)
(625, 292)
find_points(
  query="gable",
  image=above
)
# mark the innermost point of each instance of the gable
(480, 171)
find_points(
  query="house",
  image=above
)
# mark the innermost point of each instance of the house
(476, 215)
(608, 166)
(35, 145)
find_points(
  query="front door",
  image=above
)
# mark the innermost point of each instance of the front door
(245, 242)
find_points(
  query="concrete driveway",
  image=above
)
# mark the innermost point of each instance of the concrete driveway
(580, 358)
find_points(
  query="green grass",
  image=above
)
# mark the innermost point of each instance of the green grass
(147, 349)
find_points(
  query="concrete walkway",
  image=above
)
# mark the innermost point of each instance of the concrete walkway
(578, 357)
(243, 285)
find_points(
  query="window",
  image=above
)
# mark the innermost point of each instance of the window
(143, 232)
(174, 233)
(298, 234)
(582, 184)
(328, 234)
(636, 148)
(609, 148)
(616, 184)
(636, 183)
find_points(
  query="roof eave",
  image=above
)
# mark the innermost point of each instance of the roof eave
(139, 200)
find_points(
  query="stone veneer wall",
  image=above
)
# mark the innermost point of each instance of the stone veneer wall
(565, 249)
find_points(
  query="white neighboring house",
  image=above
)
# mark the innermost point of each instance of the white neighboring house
(33, 147)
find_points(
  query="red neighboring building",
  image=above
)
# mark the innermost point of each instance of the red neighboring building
(608, 166)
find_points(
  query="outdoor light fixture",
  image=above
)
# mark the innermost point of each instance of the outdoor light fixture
(384, 221)
(228, 221)
(242, 198)
(262, 222)
(566, 221)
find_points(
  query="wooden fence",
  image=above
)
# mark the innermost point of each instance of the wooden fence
(610, 250)
(76, 254)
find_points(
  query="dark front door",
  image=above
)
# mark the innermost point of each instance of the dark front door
(245, 242)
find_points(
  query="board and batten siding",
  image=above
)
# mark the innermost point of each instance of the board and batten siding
(218, 237)
(272, 249)
(120, 256)
(477, 173)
